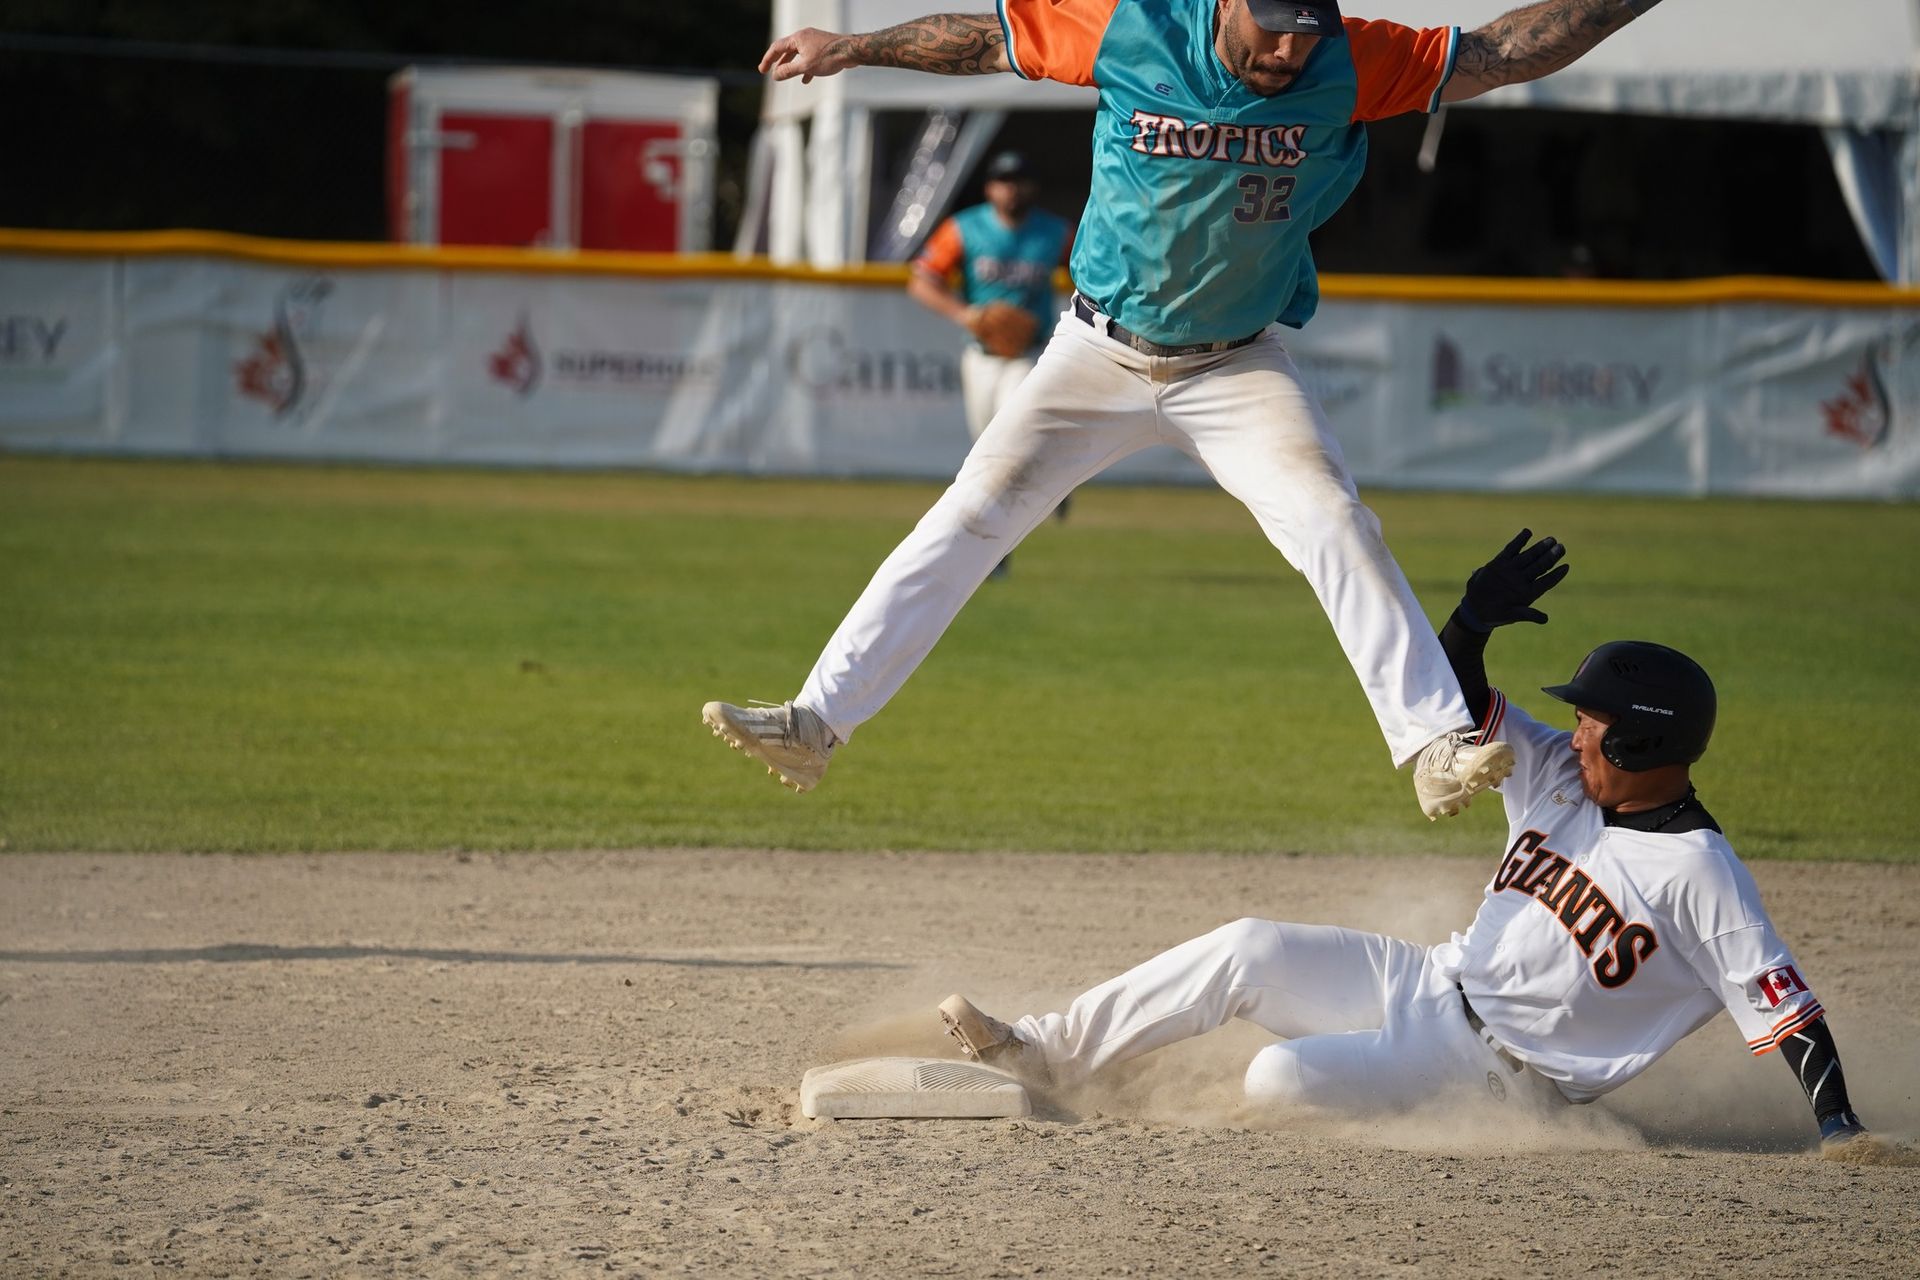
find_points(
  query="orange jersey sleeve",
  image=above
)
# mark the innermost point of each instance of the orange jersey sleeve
(943, 252)
(1399, 68)
(1055, 39)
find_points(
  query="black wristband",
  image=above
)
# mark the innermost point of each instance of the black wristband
(1466, 650)
(1815, 1061)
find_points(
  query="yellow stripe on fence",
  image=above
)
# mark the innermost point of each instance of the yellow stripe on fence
(721, 266)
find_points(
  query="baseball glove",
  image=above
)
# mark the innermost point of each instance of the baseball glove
(1002, 329)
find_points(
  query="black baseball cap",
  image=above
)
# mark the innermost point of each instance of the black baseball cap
(1008, 166)
(1306, 17)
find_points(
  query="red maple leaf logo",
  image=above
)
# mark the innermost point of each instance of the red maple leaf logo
(1778, 984)
(1860, 413)
(517, 362)
(267, 374)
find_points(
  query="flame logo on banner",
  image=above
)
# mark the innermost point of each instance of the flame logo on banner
(517, 362)
(275, 372)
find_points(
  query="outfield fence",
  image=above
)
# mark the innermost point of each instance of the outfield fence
(208, 345)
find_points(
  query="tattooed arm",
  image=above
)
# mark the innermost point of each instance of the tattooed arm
(953, 44)
(1535, 41)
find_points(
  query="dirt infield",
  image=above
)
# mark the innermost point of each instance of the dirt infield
(473, 1065)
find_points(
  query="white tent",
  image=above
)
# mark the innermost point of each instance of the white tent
(1851, 67)
(808, 191)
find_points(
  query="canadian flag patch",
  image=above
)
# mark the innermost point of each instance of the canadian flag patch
(1779, 984)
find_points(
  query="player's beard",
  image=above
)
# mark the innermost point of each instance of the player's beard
(1265, 81)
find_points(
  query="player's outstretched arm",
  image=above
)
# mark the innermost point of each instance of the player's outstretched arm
(1534, 41)
(1501, 591)
(950, 44)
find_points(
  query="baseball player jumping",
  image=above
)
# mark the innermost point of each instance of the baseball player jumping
(1618, 921)
(1227, 131)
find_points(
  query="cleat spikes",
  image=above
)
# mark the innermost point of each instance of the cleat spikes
(1453, 768)
(791, 741)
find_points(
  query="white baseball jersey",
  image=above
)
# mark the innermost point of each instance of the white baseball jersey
(1597, 948)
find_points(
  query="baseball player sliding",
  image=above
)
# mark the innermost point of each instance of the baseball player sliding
(1617, 922)
(1226, 133)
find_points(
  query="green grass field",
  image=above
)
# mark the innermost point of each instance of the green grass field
(238, 657)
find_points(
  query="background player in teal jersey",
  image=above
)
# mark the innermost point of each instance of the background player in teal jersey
(996, 256)
(1226, 131)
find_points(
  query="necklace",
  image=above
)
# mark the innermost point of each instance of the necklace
(1654, 819)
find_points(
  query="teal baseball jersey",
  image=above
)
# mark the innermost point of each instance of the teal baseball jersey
(999, 263)
(1204, 192)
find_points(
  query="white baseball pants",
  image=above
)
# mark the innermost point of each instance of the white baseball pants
(987, 382)
(1369, 1024)
(1091, 400)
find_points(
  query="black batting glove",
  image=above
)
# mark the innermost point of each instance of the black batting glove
(1504, 588)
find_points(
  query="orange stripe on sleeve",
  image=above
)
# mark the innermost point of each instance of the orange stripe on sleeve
(1400, 69)
(1780, 1028)
(1768, 1043)
(943, 252)
(1055, 39)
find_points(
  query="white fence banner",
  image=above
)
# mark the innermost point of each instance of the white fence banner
(57, 349)
(758, 371)
(1533, 398)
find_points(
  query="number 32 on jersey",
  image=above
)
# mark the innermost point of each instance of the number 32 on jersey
(1264, 198)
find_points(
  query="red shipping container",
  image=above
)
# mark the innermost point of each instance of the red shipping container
(552, 159)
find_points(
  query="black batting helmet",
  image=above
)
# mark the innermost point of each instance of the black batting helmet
(1663, 702)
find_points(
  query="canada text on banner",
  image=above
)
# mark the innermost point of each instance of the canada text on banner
(239, 354)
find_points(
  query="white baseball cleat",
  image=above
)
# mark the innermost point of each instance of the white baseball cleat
(793, 742)
(1453, 768)
(987, 1039)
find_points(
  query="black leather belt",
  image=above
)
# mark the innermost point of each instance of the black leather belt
(1479, 1026)
(1146, 346)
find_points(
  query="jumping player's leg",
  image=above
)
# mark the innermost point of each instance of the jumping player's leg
(987, 382)
(1079, 411)
(1253, 424)
(1291, 979)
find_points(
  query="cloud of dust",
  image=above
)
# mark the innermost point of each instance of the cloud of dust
(1199, 1083)
(902, 1035)
(1709, 1092)
(1422, 900)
